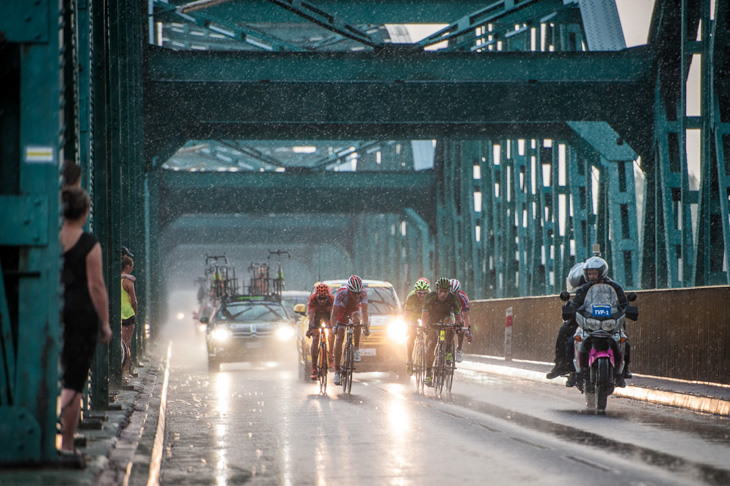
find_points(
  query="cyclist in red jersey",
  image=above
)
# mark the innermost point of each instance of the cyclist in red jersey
(351, 301)
(466, 322)
(319, 309)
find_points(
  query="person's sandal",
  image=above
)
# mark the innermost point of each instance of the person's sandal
(72, 459)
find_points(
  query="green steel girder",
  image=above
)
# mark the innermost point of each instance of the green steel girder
(319, 16)
(354, 12)
(246, 229)
(315, 92)
(506, 11)
(185, 192)
(232, 30)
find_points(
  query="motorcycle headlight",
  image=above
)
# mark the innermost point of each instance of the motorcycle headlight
(593, 324)
(397, 330)
(608, 324)
(284, 332)
(221, 334)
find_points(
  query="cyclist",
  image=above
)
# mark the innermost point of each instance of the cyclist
(439, 306)
(351, 302)
(412, 310)
(319, 309)
(464, 299)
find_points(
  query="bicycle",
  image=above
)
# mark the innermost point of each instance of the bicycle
(419, 357)
(348, 364)
(443, 370)
(322, 358)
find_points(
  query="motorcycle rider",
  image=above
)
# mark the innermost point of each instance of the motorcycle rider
(351, 302)
(319, 309)
(439, 306)
(464, 299)
(412, 309)
(595, 271)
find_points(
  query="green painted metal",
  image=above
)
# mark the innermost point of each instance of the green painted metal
(315, 90)
(184, 192)
(30, 118)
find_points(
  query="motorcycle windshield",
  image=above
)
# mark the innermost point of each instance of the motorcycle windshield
(601, 302)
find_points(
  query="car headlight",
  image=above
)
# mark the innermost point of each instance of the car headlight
(608, 324)
(284, 332)
(398, 330)
(593, 324)
(221, 334)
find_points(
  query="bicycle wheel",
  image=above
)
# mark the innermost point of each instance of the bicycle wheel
(440, 369)
(322, 369)
(350, 369)
(344, 371)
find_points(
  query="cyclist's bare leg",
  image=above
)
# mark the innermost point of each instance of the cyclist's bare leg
(314, 350)
(432, 338)
(339, 340)
(356, 320)
(410, 342)
(331, 345)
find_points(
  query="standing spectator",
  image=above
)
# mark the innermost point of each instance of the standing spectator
(85, 304)
(129, 311)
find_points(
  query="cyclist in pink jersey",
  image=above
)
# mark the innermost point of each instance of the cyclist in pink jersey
(351, 301)
(466, 322)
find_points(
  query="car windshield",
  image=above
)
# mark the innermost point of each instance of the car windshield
(259, 312)
(381, 300)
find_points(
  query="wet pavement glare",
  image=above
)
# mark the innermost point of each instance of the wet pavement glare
(259, 424)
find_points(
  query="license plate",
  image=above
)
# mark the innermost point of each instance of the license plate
(600, 310)
(367, 351)
(254, 344)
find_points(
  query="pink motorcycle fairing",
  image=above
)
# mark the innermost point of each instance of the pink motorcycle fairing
(594, 355)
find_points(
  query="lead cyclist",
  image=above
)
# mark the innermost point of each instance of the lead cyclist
(351, 303)
(439, 306)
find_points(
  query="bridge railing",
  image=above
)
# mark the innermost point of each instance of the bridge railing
(681, 333)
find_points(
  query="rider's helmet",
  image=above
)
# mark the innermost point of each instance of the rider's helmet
(354, 284)
(422, 285)
(595, 263)
(455, 285)
(424, 279)
(443, 284)
(575, 277)
(321, 290)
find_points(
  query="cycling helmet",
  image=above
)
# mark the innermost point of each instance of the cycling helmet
(424, 279)
(455, 285)
(595, 263)
(354, 284)
(443, 284)
(575, 277)
(322, 290)
(422, 285)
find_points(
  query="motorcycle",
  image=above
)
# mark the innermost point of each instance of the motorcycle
(599, 342)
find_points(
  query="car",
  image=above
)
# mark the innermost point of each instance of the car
(291, 298)
(247, 328)
(384, 349)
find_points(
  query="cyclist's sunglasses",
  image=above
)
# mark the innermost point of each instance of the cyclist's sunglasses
(322, 297)
(421, 292)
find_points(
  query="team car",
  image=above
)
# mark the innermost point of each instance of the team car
(247, 328)
(384, 349)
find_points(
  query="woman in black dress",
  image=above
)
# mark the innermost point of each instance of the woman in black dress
(85, 305)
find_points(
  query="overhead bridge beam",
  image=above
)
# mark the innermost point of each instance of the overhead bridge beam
(345, 94)
(317, 192)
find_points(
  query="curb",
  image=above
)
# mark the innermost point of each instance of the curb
(711, 405)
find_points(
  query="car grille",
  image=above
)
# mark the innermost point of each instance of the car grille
(262, 329)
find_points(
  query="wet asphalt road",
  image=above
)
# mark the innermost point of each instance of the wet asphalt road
(260, 424)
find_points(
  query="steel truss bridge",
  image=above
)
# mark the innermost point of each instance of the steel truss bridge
(498, 149)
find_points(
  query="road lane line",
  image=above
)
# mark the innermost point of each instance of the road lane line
(156, 460)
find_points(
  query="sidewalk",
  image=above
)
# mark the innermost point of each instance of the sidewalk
(115, 438)
(702, 397)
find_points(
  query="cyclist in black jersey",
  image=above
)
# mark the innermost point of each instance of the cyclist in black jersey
(439, 306)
